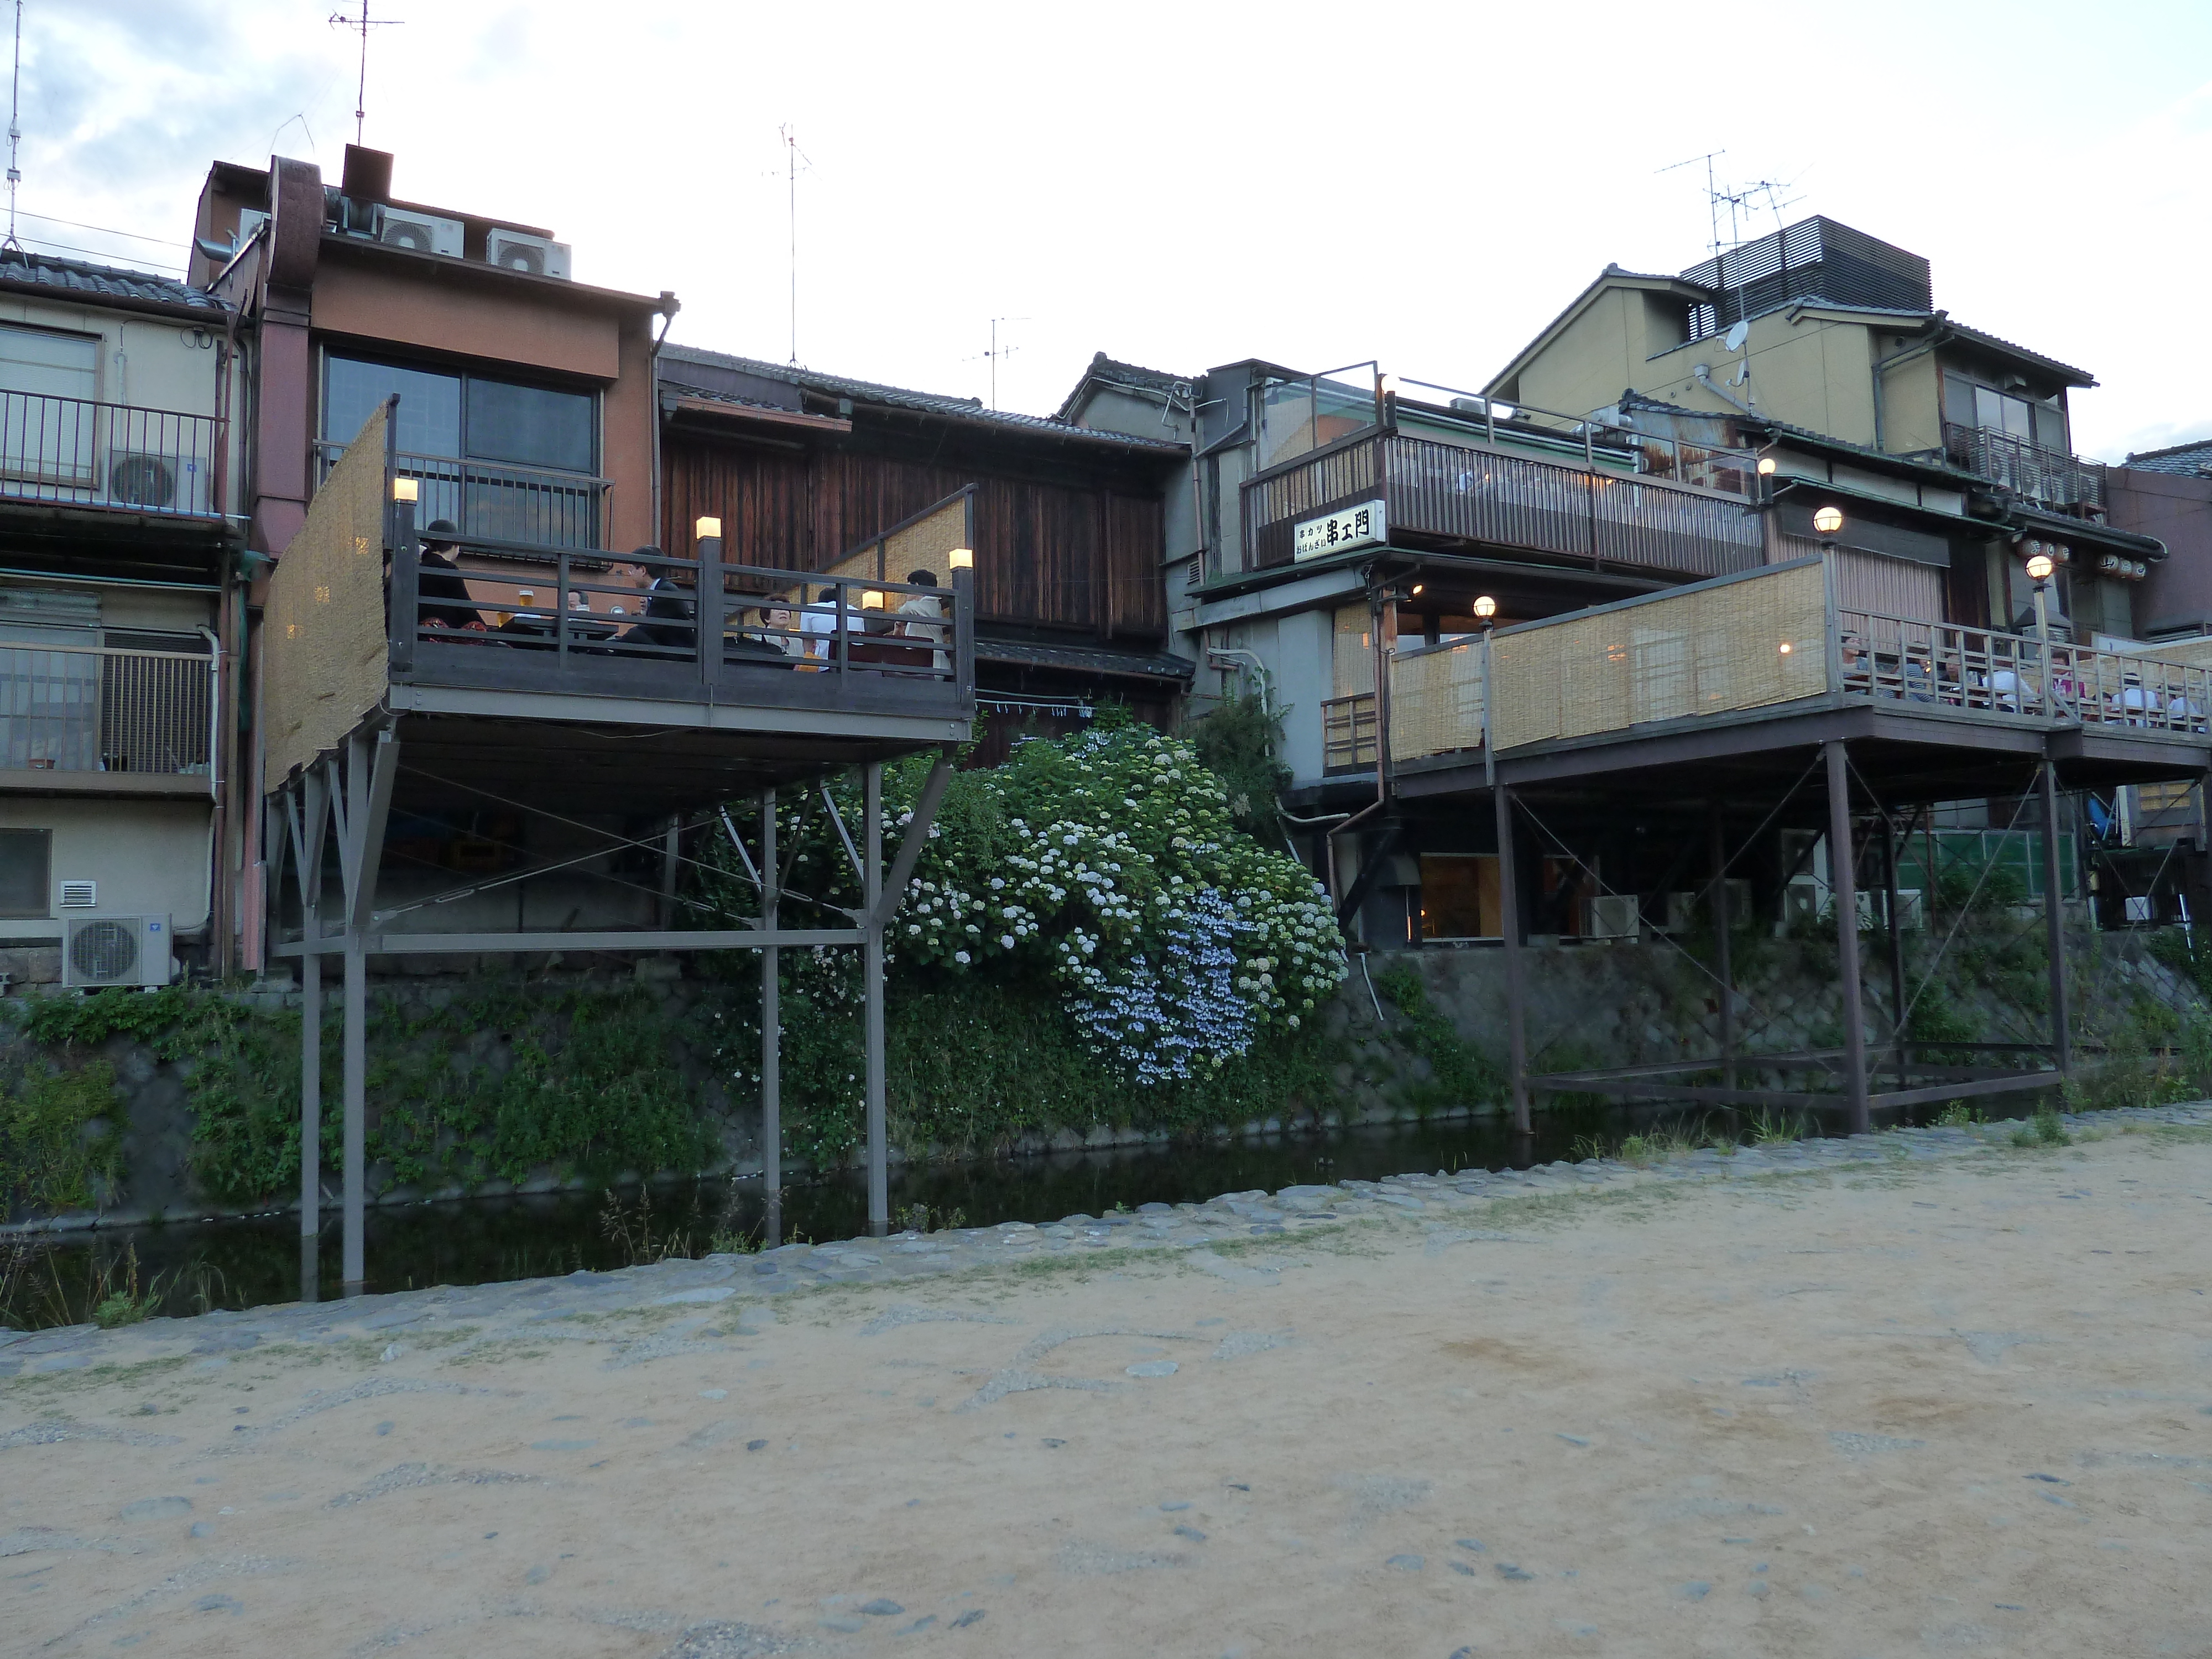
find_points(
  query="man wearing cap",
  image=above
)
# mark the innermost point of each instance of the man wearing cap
(445, 595)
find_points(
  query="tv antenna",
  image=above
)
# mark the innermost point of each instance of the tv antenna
(792, 157)
(1712, 193)
(997, 351)
(14, 132)
(360, 25)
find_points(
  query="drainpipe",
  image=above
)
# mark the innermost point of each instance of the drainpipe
(1704, 376)
(669, 307)
(1942, 336)
(1259, 669)
(218, 929)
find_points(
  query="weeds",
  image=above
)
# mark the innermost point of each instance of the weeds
(1957, 1115)
(34, 1293)
(921, 1218)
(1777, 1129)
(2044, 1129)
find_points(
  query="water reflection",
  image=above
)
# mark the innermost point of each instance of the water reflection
(256, 1260)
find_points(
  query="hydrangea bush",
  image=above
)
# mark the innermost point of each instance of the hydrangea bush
(1100, 876)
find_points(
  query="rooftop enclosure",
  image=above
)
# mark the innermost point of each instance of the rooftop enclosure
(1773, 646)
(1815, 259)
(1592, 494)
(546, 674)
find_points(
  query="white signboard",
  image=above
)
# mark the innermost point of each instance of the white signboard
(1353, 527)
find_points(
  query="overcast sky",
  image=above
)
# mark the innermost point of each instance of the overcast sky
(1189, 184)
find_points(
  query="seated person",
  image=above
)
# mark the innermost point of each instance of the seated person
(444, 595)
(1919, 678)
(764, 624)
(926, 613)
(669, 613)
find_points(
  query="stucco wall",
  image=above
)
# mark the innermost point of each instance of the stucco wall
(146, 856)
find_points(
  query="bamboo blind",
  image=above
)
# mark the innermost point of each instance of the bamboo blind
(1354, 651)
(1743, 645)
(925, 545)
(325, 651)
(1436, 701)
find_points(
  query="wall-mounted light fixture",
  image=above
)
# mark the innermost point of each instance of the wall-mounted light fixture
(1766, 466)
(962, 558)
(405, 490)
(873, 600)
(1485, 607)
(708, 529)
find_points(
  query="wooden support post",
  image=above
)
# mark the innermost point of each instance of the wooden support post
(1508, 926)
(771, 1036)
(1842, 886)
(1716, 835)
(2054, 921)
(1890, 908)
(871, 868)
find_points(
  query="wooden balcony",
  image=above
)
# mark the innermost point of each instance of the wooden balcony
(1604, 512)
(610, 682)
(1767, 661)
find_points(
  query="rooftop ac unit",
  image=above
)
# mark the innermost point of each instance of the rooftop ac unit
(115, 951)
(160, 483)
(511, 250)
(425, 233)
(1612, 915)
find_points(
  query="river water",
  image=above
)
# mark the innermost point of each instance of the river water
(253, 1260)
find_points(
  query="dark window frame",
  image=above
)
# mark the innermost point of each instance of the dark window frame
(44, 912)
(465, 373)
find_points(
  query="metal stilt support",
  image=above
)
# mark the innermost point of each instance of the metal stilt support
(1891, 907)
(1842, 885)
(1509, 925)
(879, 1202)
(2054, 921)
(365, 787)
(771, 1035)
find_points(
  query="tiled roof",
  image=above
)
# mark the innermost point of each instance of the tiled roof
(1091, 659)
(894, 396)
(76, 279)
(2188, 459)
(1102, 370)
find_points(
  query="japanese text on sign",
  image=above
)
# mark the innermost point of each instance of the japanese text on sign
(1353, 527)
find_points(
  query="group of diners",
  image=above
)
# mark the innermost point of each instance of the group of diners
(652, 613)
(1915, 672)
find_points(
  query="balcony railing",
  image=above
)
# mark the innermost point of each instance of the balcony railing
(83, 708)
(1762, 640)
(71, 452)
(2051, 477)
(493, 501)
(1473, 492)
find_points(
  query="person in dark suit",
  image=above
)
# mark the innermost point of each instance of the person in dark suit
(671, 614)
(445, 595)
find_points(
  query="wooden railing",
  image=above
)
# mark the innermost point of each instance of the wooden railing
(2048, 476)
(1347, 733)
(493, 501)
(72, 452)
(86, 709)
(1473, 492)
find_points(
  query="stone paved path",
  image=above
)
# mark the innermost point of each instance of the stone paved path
(1917, 1391)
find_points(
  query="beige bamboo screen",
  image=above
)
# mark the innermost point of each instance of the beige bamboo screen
(925, 545)
(1355, 651)
(1436, 700)
(324, 652)
(1742, 644)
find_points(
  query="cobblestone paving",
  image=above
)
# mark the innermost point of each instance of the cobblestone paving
(203, 1485)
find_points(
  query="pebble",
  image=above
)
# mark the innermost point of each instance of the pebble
(973, 1616)
(157, 1509)
(882, 1608)
(1191, 1533)
(1507, 1570)
(1151, 1368)
(704, 1394)
(1406, 1563)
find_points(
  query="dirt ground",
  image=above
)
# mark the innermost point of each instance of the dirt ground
(1962, 1405)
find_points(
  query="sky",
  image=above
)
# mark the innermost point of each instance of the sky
(1190, 183)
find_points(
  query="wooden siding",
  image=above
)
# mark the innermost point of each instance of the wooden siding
(1047, 555)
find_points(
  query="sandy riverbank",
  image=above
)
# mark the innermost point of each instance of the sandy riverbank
(1921, 1393)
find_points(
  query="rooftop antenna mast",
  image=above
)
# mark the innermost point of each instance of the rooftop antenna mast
(1713, 196)
(997, 352)
(792, 156)
(14, 132)
(360, 25)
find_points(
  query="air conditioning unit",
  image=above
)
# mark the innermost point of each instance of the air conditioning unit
(540, 256)
(161, 484)
(425, 233)
(1611, 916)
(115, 951)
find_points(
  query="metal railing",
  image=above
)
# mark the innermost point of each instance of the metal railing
(1474, 492)
(86, 708)
(72, 452)
(1978, 670)
(2048, 476)
(1347, 733)
(614, 617)
(492, 501)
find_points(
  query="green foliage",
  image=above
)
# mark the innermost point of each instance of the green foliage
(1459, 1073)
(1778, 1128)
(2044, 1129)
(57, 1137)
(1957, 1115)
(1239, 742)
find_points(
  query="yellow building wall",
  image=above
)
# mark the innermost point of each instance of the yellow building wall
(1912, 406)
(1595, 358)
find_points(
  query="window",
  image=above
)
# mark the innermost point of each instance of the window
(481, 448)
(26, 859)
(2040, 421)
(42, 437)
